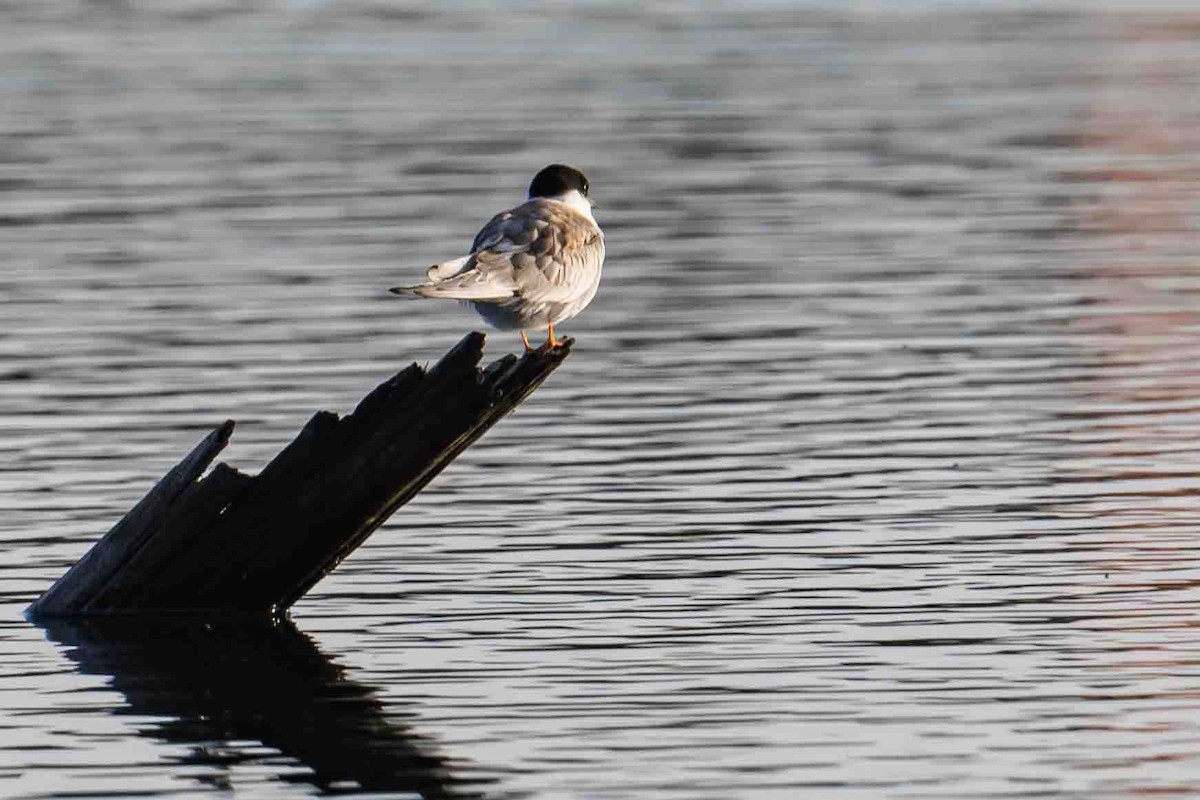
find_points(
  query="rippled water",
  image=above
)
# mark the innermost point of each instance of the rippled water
(873, 472)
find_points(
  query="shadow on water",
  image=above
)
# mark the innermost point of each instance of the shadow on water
(223, 688)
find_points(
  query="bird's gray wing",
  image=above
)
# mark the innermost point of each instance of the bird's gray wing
(542, 250)
(549, 253)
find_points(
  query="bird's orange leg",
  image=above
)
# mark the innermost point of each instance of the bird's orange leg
(525, 341)
(553, 341)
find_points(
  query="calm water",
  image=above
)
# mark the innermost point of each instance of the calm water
(874, 473)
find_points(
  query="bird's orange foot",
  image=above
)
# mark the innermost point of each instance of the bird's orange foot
(525, 341)
(552, 341)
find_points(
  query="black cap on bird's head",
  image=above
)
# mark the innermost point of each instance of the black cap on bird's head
(556, 180)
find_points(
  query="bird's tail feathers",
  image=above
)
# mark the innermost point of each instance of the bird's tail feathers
(455, 291)
(407, 291)
(447, 269)
(438, 272)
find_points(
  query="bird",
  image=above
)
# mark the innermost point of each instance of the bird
(532, 266)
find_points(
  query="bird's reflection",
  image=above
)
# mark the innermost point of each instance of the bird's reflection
(227, 688)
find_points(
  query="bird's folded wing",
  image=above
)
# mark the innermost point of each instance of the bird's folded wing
(546, 251)
(541, 250)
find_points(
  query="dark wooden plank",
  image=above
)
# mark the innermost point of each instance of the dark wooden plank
(72, 591)
(256, 545)
(508, 382)
(235, 534)
(395, 428)
(143, 577)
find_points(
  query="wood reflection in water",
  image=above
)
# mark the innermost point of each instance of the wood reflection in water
(226, 686)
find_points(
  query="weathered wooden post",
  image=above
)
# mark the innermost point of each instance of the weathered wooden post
(232, 542)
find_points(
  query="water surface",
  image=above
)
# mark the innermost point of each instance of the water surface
(872, 473)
